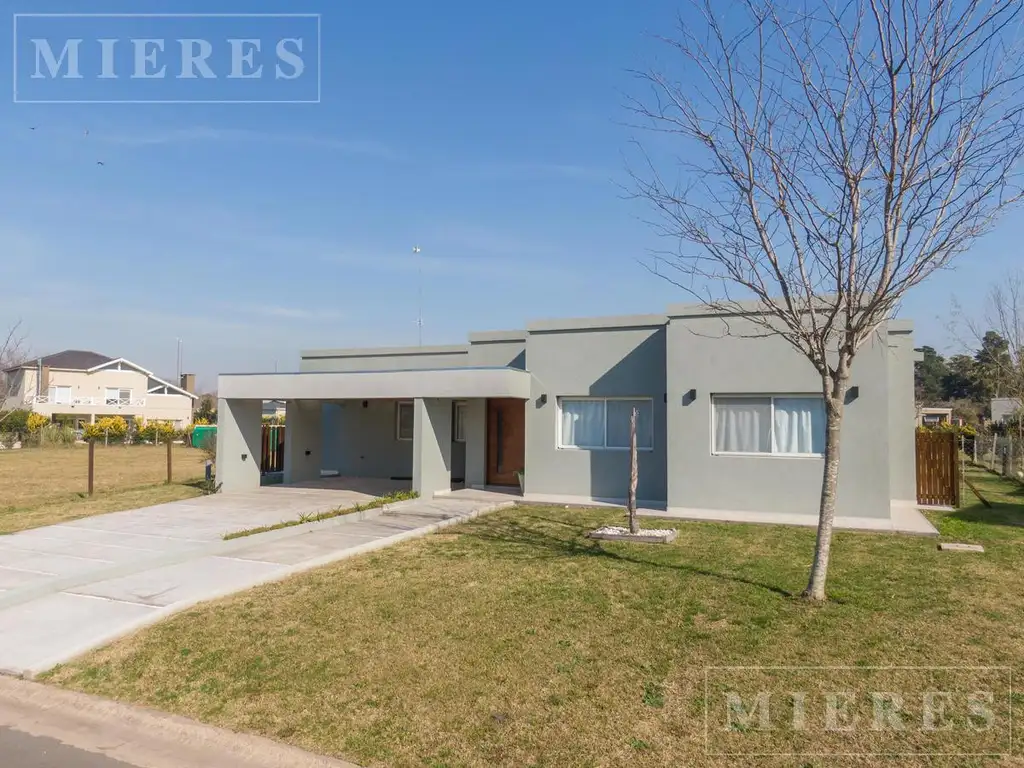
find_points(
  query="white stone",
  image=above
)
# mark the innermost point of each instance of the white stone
(949, 546)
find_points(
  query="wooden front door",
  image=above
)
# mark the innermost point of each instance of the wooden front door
(506, 441)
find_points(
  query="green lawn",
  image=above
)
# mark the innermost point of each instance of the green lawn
(513, 640)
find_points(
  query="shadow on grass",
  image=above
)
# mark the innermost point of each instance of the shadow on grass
(540, 543)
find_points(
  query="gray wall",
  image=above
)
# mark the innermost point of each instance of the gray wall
(509, 353)
(902, 413)
(362, 442)
(701, 357)
(598, 362)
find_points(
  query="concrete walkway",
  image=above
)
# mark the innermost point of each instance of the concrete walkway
(73, 587)
(44, 727)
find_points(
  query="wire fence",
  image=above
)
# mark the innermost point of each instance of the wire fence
(1003, 454)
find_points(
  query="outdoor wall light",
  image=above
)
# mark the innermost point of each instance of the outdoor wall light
(245, 456)
(851, 394)
(543, 400)
(308, 452)
(690, 397)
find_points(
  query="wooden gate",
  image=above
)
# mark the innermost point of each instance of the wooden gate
(938, 473)
(272, 448)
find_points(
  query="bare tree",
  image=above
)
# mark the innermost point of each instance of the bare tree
(634, 476)
(12, 352)
(821, 158)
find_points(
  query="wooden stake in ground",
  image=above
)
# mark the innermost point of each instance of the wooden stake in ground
(169, 444)
(634, 475)
(92, 463)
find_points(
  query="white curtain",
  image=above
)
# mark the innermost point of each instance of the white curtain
(619, 414)
(799, 425)
(743, 424)
(583, 423)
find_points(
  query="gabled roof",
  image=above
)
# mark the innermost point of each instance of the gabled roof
(69, 359)
(164, 383)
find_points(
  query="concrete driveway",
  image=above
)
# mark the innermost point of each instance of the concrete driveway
(67, 588)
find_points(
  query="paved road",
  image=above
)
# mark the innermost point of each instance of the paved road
(20, 750)
(46, 727)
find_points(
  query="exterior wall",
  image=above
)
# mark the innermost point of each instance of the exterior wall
(902, 413)
(702, 358)
(625, 361)
(385, 359)
(363, 442)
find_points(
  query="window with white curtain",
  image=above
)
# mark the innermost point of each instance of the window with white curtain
(786, 425)
(603, 423)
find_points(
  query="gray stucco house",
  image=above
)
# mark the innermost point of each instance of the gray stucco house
(729, 425)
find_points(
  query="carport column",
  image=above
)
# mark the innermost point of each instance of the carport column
(303, 441)
(475, 427)
(432, 446)
(238, 444)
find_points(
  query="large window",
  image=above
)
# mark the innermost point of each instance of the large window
(786, 425)
(404, 421)
(598, 423)
(115, 396)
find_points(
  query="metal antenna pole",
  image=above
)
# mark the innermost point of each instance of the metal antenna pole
(419, 296)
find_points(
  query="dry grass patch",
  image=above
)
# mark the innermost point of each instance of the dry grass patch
(513, 640)
(46, 486)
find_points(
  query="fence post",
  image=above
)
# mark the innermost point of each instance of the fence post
(974, 446)
(170, 444)
(92, 463)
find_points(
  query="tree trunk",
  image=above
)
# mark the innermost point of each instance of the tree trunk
(835, 394)
(634, 523)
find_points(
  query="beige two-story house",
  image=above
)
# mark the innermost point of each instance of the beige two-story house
(86, 386)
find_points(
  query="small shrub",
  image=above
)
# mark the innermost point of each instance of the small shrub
(107, 428)
(36, 422)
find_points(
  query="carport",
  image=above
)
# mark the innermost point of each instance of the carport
(314, 400)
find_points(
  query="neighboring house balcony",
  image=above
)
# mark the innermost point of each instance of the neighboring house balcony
(49, 405)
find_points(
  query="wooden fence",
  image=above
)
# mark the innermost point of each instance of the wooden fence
(938, 471)
(272, 448)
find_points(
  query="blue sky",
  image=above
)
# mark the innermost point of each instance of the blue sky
(491, 135)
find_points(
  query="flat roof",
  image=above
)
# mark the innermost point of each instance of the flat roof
(408, 384)
(451, 349)
(596, 323)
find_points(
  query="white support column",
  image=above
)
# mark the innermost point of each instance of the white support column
(475, 426)
(238, 444)
(432, 446)
(303, 441)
